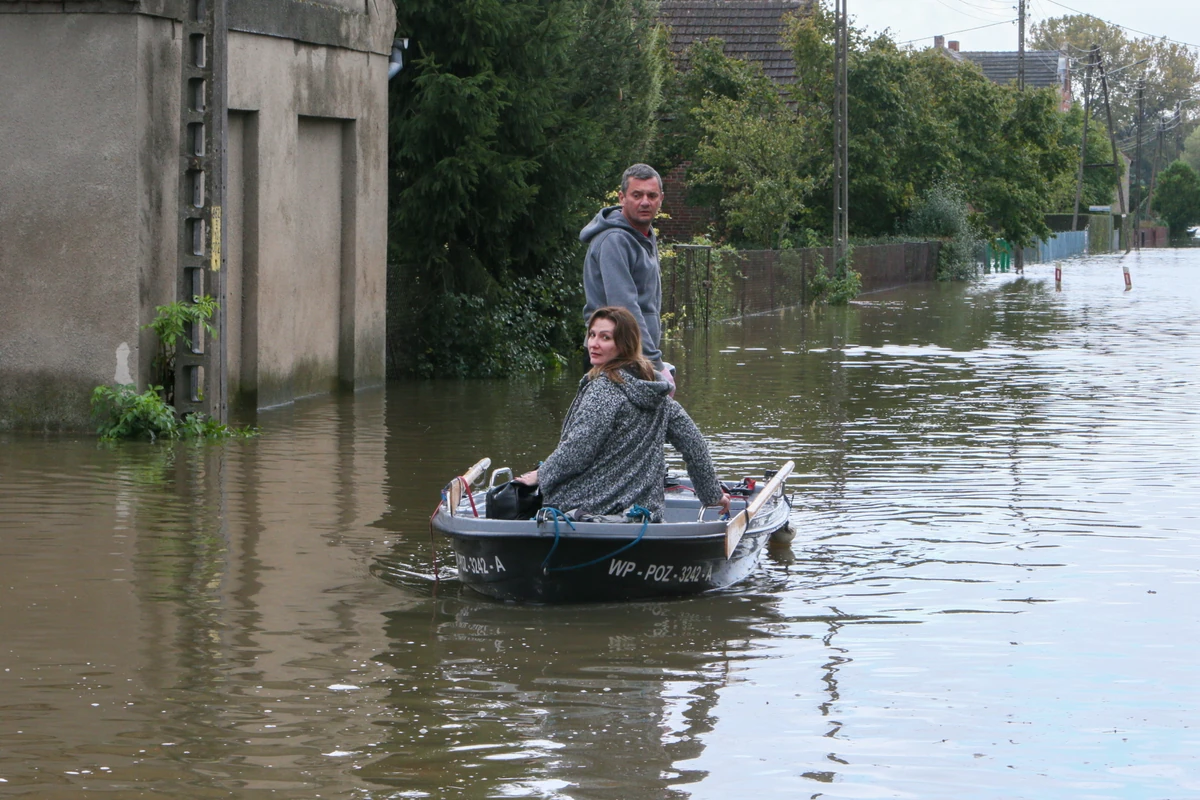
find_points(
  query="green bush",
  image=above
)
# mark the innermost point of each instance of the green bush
(942, 213)
(122, 413)
(836, 290)
(524, 325)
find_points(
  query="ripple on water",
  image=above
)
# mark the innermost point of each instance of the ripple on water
(990, 592)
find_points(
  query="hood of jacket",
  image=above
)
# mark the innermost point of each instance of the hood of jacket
(611, 218)
(644, 394)
(647, 395)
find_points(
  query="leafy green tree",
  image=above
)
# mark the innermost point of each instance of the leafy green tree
(750, 156)
(888, 132)
(1191, 150)
(1099, 183)
(761, 166)
(1013, 191)
(919, 118)
(508, 123)
(1169, 70)
(705, 73)
(1177, 197)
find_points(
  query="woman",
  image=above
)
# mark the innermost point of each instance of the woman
(610, 456)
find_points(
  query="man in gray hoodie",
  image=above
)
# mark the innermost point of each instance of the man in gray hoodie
(621, 268)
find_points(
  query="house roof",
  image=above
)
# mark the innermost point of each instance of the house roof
(751, 30)
(1042, 67)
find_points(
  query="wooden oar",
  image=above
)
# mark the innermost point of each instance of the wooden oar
(737, 526)
(455, 489)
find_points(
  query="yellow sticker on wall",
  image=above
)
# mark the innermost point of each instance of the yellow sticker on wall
(215, 249)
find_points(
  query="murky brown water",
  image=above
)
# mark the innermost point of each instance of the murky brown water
(994, 592)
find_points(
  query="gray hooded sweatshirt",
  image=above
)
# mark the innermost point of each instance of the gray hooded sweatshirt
(622, 269)
(610, 456)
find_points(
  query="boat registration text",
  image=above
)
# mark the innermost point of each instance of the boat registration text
(661, 573)
(480, 565)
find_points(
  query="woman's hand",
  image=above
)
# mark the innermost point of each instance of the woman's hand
(724, 503)
(529, 478)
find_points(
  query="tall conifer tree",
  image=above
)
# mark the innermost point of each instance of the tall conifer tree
(508, 123)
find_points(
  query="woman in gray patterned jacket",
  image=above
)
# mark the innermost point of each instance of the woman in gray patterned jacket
(610, 456)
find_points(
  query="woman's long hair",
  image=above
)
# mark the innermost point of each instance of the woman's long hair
(627, 336)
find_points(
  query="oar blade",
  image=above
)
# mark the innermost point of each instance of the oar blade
(737, 526)
(733, 532)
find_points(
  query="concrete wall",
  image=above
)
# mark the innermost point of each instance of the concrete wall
(308, 174)
(87, 206)
(89, 187)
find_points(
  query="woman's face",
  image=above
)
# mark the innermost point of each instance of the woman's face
(600, 345)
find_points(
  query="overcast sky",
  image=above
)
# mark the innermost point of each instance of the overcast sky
(921, 20)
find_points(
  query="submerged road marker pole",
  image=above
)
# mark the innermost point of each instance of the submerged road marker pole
(1058, 276)
(1128, 282)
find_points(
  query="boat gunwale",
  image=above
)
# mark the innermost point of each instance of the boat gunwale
(484, 528)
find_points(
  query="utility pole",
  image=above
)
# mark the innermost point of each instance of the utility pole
(1137, 166)
(845, 131)
(1154, 165)
(1021, 46)
(1112, 138)
(1087, 116)
(841, 136)
(1178, 128)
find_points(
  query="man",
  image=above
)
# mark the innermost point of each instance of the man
(621, 268)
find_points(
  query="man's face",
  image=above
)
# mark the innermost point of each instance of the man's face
(641, 202)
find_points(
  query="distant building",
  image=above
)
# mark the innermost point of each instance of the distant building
(752, 31)
(1043, 68)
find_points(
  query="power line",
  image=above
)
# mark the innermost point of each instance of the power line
(964, 30)
(992, 12)
(1004, 7)
(1124, 27)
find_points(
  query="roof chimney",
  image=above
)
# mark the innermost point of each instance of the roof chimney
(954, 46)
(939, 42)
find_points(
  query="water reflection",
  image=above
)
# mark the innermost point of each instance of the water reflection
(990, 592)
(595, 701)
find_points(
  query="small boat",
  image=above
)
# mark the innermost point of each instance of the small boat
(553, 558)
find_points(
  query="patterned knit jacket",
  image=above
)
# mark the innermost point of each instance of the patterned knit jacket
(610, 456)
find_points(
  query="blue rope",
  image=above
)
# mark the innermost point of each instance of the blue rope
(634, 512)
(555, 514)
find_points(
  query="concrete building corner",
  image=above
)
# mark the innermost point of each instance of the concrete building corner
(90, 199)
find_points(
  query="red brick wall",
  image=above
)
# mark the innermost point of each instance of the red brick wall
(1154, 236)
(685, 221)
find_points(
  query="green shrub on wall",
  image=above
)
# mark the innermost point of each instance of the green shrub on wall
(122, 413)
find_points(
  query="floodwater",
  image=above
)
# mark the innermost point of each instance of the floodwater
(993, 592)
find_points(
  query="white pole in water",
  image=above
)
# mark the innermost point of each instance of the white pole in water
(1128, 282)
(1058, 276)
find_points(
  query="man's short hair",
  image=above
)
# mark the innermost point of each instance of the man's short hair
(643, 172)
